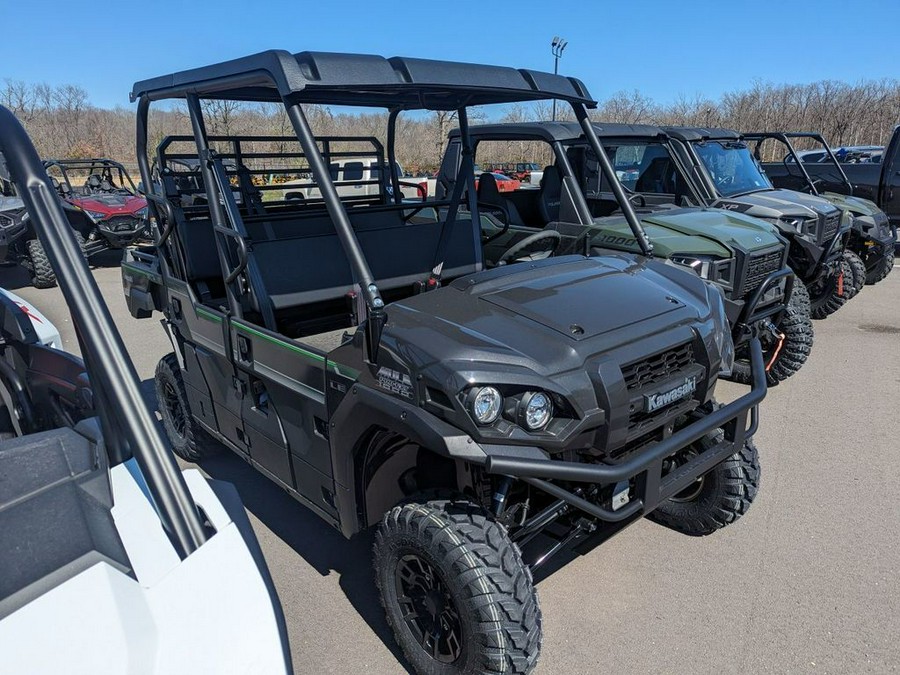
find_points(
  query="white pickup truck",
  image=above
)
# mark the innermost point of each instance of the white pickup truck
(358, 177)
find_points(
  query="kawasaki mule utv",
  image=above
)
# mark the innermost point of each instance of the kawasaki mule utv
(744, 256)
(870, 248)
(731, 179)
(112, 560)
(364, 354)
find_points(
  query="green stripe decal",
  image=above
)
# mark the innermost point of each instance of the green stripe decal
(341, 370)
(142, 272)
(280, 343)
(209, 316)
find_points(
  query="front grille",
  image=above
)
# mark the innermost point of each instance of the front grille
(759, 267)
(658, 368)
(832, 223)
(122, 224)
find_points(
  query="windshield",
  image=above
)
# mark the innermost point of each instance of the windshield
(732, 167)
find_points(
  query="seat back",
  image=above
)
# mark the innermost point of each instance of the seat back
(550, 194)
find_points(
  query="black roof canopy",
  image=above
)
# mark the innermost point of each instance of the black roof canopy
(560, 131)
(690, 134)
(363, 80)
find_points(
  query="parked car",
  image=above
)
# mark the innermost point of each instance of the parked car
(876, 182)
(527, 172)
(730, 178)
(504, 183)
(127, 562)
(365, 359)
(870, 248)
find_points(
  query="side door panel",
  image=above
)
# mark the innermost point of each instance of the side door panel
(284, 411)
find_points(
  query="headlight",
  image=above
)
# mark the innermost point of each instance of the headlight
(700, 265)
(95, 215)
(535, 411)
(802, 225)
(485, 404)
(141, 213)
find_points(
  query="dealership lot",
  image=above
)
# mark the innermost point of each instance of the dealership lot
(807, 582)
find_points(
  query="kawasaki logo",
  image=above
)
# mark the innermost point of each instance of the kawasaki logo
(654, 402)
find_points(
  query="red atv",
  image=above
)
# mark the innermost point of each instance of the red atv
(102, 189)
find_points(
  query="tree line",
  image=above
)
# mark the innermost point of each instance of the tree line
(63, 123)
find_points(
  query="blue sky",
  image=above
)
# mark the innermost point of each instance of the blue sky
(664, 49)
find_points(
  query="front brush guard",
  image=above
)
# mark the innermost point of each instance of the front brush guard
(645, 470)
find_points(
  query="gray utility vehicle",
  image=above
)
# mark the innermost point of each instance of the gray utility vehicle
(124, 560)
(744, 256)
(13, 219)
(360, 354)
(874, 235)
(730, 178)
(19, 243)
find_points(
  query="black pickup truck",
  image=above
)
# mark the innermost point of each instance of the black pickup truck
(876, 181)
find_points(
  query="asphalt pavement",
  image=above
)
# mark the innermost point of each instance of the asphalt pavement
(807, 582)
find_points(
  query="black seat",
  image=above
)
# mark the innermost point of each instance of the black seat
(657, 177)
(92, 184)
(492, 201)
(550, 195)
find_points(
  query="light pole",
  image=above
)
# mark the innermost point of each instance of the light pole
(557, 47)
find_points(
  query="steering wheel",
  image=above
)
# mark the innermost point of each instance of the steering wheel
(552, 235)
(637, 199)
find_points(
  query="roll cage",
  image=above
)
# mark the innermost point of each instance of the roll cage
(396, 84)
(104, 168)
(785, 137)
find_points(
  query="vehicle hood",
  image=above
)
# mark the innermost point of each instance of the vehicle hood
(11, 204)
(855, 205)
(112, 205)
(548, 316)
(714, 232)
(779, 203)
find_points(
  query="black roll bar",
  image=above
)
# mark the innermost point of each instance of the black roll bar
(112, 372)
(216, 208)
(376, 317)
(606, 167)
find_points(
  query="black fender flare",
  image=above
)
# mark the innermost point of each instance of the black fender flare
(364, 409)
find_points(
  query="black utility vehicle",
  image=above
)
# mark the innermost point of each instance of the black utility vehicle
(877, 183)
(360, 354)
(730, 178)
(744, 256)
(870, 247)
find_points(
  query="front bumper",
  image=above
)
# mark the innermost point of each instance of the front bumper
(649, 486)
(877, 245)
(123, 231)
(768, 302)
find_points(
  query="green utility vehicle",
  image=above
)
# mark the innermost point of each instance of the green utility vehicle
(743, 256)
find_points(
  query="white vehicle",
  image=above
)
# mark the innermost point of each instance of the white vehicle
(112, 560)
(359, 177)
(47, 333)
